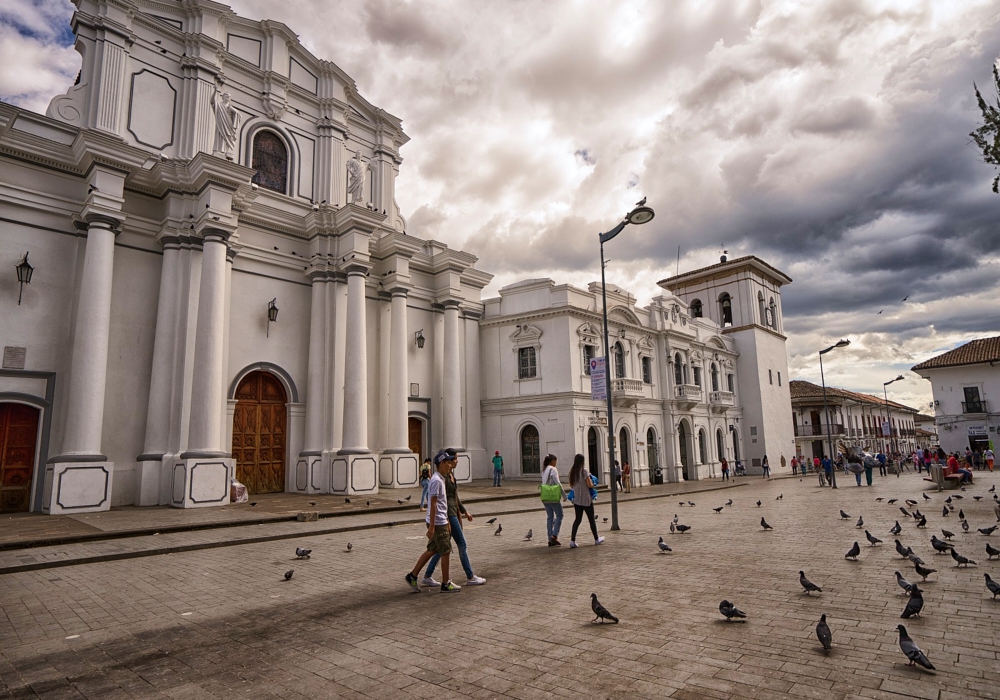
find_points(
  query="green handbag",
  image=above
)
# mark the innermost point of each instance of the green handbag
(551, 493)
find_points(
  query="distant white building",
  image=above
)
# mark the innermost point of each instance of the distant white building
(966, 386)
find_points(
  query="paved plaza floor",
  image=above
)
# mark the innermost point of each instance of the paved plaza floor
(222, 622)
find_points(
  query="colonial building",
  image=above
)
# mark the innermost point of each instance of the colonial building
(222, 281)
(855, 420)
(966, 386)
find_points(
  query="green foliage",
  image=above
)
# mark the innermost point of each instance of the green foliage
(987, 137)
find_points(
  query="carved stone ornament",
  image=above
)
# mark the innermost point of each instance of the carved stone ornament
(356, 169)
(588, 332)
(526, 334)
(227, 125)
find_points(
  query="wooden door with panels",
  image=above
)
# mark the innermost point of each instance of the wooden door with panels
(259, 433)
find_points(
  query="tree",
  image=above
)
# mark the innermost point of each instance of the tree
(987, 137)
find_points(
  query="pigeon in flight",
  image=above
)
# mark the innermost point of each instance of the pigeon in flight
(302, 553)
(664, 547)
(992, 551)
(823, 633)
(911, 650)
(905, 298)
(892, 501)
(683, 528)
(491, 521)
(763, 524)
(940, 546)
(808, 585)
(915, 604)
(719, 509)
(926, 497)
(729, 611)
(923, 571)
(527, 538)
(896, 529)
(288, 574)
(902, 582)
(499, 529)
(901, 550)
(844, 516)
(312, 503)
(880, 312)
(988, 530)
(350, 547)
(853, 553)
(872, 539)
(962, 561)
(600, 612)
(992, 585)
(861, 522)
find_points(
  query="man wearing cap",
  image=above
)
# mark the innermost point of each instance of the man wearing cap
(497, 468)
(438, 529)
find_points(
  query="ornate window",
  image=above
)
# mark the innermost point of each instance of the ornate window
(619, 354)
(527, 367)
(647, 370)
(720, 443)
(270, 160)
(702, 448)
(588, 355)
(678, 370)
(526, 342)
(697, 376)
(726, 309)
(696, 309)
(731, 383)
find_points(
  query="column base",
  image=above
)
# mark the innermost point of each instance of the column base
(463, 468)
(398, 470)
(309, 471)
(77, 487)
(353, 473)
(674, 475)
(200, 482)
(640, 476)
(147, 481)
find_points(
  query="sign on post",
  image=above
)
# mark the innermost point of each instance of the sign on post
(598, 379)
(886, 429)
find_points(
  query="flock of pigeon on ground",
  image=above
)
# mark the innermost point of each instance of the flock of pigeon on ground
(914, 604)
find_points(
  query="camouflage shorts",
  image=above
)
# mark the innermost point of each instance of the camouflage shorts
(440, 543)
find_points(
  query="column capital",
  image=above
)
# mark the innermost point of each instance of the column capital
(92, 219)
(450, 303)
(398, 291)
(356, 268)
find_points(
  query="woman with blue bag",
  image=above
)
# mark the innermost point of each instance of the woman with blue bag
(582, 495)
(552, 495)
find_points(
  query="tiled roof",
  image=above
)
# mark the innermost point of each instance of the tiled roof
(801, 389)
(982, 350)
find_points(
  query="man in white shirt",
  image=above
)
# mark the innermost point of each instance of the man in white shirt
(438, 529)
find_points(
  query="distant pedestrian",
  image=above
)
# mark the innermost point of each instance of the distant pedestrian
(627, 477)
(425, 480)
(552, 498)
(803, 465)
(618, 475)
(881, 464)
(580, 483)
(455, 512)
(795, 465)
(497, 468)
(827, 465)
(438, 529)
(725, 469)
(869, 466)
(989, 457)
(767, 468)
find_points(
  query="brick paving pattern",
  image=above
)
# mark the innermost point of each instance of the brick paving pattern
(222, 622)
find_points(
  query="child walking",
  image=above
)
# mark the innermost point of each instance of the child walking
(438, 529)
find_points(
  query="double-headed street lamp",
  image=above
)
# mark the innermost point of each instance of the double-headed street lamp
(826, 410)
(888, 420)
(640, 215)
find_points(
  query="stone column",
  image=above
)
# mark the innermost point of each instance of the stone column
(398, 376)
(355, 439)
(317, 354)
(452, 378)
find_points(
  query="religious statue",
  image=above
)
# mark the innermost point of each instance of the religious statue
(227, 124)
(356, 179)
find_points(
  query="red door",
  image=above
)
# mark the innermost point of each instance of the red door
(18, 433)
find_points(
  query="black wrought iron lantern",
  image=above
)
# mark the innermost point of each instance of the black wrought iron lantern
(24, 270)
(418, 337)
(272, 315)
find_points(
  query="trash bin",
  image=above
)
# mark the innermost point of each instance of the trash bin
(657, 475)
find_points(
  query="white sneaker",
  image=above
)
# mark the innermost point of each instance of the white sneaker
(598, 540)
(475, 581)
(429, 581)
(573, 545)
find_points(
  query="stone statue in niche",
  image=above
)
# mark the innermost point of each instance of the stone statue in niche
(227, 124)
(356, 169)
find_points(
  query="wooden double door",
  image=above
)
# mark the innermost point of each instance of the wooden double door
(259, 433)
(18, 436)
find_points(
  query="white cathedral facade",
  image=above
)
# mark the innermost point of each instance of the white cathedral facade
(222, 286)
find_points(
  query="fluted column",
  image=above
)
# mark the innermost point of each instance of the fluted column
(398, 374)
(205, 434)
(452, 378)
(89, 365)
(355, 440)
(317, 355)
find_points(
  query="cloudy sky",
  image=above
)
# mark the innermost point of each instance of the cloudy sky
(829, 137)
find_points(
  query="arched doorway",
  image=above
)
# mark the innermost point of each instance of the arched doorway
(720, 444)
(593, 459)
(259, 432)
(18, 435)
(624, 449)
(415, 434)
(530, 455)
(702, 447)
(736, 443)
(682, 443)
(652, 454)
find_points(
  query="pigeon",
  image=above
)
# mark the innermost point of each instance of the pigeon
(691, 503)
(923, 571)
(676, 519)
(763, 524)
(408, 497)
(350, 547)
(880, 499)
(914, 558)
(758, 504)
(944, 511)
(729, 502)
(288, 574)
(948, 500)
(312, 503)
(683, 528)
(600, 612)
(992, 551)
(861, 522)
(844, 516)
(673, 528)
(499, 529)
(962, 561)
(917, 514)
(664, 547)
(901, 550)
(896, 529)
(681, 504)
(642, 203)
(915, 604)
(911, 650)
(959, 496)
(902, 582)
(940, 546)
(400, 501)
(923, 522)
(977, 498)
(808, 585)
(993, 488)
(491, 521)
(604, 520)
(910, 502)
(253, 503)
(823, 633)
(892, 500)
(347, 500)
(527, 538)
(872, 539)
(905, 512)
(719, 509)
(368, 503)
(853, 553)
(965, 525)
(993, 586)
(961, 514)
(988, 530)
(302, 553)
(729, 611)
(780, 496)
(926, 497)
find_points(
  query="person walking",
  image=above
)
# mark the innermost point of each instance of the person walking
(988, 458)
(869, 466)
(552, 498)
(618, 475)
(827, 464)
(425, 480)
(767, 468)
(455, 512)
(438, 529)
(725, 470)
(497, 468)
(627, 477)
(580, 483)
(803, 465)
(881, 464)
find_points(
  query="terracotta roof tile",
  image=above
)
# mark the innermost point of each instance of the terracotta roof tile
(800, 389)
(982, 350)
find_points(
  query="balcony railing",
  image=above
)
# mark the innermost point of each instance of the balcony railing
(724, 398)
(811, 430)
(974, 406)
(688, 392)
(626, 387)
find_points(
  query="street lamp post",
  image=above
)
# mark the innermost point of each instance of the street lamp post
(888, 420)
(640, 215)
(826, 409)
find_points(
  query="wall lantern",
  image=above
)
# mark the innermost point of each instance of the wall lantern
(418, 337)
(272, 315)
(24, 270)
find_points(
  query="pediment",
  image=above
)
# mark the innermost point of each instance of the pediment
(589, 332)
(623, 314)
(526, 334)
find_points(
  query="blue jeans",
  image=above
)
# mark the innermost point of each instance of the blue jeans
(496, 477)
(553, 520)
(424, 484)
(459, 537)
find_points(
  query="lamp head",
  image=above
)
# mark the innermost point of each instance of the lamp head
(842, 343)
(898, 378)
(272, 310)
(640, 215)
(418, 337)
(24, 270)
